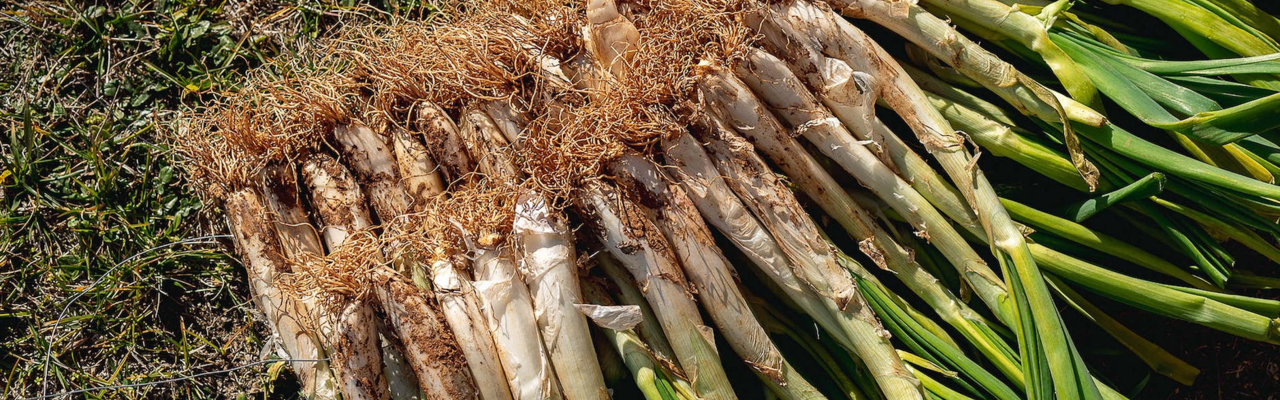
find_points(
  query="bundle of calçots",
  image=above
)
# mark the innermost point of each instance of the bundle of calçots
(516, 200)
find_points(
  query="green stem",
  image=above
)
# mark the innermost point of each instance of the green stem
(1204, 23)
(1148, 186)
(1101, 242)
(1031, 32)
(1003, 141)
(1153, 355)
(1243, 236)
(936, 389)
(1160, 299)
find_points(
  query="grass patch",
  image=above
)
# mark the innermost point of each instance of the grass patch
(85, 183)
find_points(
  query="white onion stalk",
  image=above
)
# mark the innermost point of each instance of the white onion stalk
(370, 155)
(798, 237)
(711, 193)
(417, 169)
(788, 98)
(637, 244)
(450, 286)
(432, 350)
(706, 267)
(508, 307)
(1057, 370)
(262, 254)
(504, 297)
(791, 30)
(730, 100)
(448, 147)
(461, 309)
(543, 241)
(549, 267)
(508, 120)
(356, 357)
(831, 197)
(613, 41)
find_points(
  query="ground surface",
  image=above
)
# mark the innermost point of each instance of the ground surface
(87, 188)
(87, 182)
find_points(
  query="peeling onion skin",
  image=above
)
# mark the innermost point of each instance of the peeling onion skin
(549, 267)
(506, 303)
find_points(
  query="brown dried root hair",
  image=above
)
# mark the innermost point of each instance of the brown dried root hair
(479, 213)
(574, 140)
(284, 110)
(343, 276)
(468, 53)
(677, 34)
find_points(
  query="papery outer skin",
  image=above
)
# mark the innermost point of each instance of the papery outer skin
(507, 305)
(549, 267)
(618, 318)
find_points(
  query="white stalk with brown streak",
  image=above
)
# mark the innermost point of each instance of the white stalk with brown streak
(488, 146)
(431, 348)
(706, 267)
(461, 309)
(445, 143)
(730, 100)
(637, 244)
(262, 254)
(418, 171)
(370, 155)
(356, 356)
